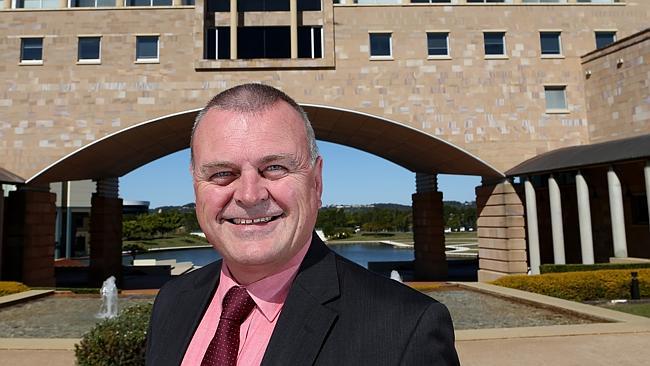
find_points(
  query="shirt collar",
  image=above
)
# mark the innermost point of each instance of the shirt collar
(270, 292)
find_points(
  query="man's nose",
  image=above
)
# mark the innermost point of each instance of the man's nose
(251, 189)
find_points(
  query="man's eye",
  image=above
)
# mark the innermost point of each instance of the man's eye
(222, 178)
(274, 171)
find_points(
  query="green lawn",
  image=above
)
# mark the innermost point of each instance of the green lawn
(642, 309)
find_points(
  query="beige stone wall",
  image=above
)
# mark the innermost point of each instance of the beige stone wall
(495, 109)
(617, 89)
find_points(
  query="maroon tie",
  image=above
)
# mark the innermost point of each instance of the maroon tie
(223, 348)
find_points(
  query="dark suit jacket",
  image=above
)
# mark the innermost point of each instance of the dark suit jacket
(336, 313)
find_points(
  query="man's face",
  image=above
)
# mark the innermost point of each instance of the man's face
(257, 195)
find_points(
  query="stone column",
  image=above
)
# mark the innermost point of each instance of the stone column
(177, 2)
(63, 4)
(646, 173)
(234, 21)
(105, 232)
(584, 220)
(617, 215)
(428, 229)
(119, 3)
(293, 7)
(29, 248)
(7, 4)
(557, 228)
(533, 230)
(501, 233)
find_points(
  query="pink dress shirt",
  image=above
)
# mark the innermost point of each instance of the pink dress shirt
(268, 293)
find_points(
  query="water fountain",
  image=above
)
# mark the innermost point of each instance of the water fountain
(108, 308)
(394, 275)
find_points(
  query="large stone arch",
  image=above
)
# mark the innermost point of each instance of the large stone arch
(116, 154)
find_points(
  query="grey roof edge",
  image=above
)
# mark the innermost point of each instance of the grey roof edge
(9, 177)
(574, 157)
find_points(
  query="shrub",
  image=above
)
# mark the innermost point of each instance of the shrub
(118, 341)
(10, 287)
(557, 268)
(580, 286)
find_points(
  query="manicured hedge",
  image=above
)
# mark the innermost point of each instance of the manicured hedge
(581, 286)
(10, 287)
(119, 341)
(559, 268)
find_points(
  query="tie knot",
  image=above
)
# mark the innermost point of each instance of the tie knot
(237, 304)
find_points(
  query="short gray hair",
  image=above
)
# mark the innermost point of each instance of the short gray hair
(247, 98)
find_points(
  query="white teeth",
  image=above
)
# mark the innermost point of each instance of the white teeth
(252, 221)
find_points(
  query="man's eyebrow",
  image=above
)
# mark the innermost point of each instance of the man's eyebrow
(208, 167)
(277, 157)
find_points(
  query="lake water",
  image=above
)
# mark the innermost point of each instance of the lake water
(358, 253)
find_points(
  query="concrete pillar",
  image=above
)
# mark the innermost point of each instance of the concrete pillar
(293, 9)
(63, 4)
(646, 173)
(119, 3)
(557, 228)
(7, 4)
(428, 229)
(234, 21)
(105, 232)
(584, 220)
(177, 2)
(533, 230)
(29, 247)
(617, 215)
(501, 231)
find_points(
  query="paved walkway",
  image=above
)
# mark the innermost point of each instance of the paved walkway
(625, 341)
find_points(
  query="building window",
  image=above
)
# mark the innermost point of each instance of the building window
(89, 49)
(489, 1)
(495, 43)
(31, 50)
(310, 42)
(146, 48)
(429, 1)
(148, 3)
(37, 4)
(605, 38)
(263, 42)
(381, 45)
(544, 1)
(555, 96)
(92, 3)
(217, 43)
(550, 43)
(437, 44)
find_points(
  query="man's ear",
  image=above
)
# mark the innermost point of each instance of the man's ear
(318, 176)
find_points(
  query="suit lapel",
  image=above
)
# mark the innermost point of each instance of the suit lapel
(305, 320)
(182, 325)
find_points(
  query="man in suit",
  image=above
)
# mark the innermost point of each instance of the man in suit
(257, 179)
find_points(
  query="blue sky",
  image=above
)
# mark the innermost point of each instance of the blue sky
(350, 176)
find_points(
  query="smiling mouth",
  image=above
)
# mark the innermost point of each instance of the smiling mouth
(259, 220)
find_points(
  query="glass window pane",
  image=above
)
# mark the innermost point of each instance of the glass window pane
(146, 47)
(494, 43)
(555, 97)
(31, 4)
(604, 39)
(437, 44)
(223, 43)
(380, 44)
(218, 5)
(138, 2)
(89, 48)
(31, 49)
(84, 3)
(306, 5)
(550, 43)
(50, 4)
(105, 3)
(162, 2)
